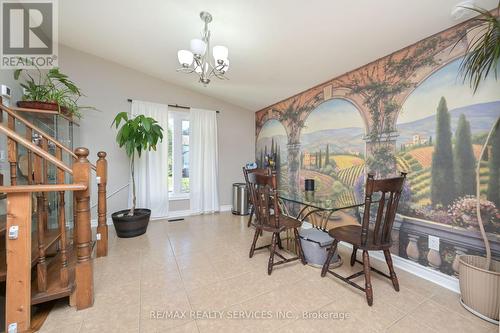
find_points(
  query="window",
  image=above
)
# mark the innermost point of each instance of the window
(178, 154)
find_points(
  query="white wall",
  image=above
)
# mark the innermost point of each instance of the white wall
(107, 87)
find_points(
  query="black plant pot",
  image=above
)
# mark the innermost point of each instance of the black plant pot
(131, 226)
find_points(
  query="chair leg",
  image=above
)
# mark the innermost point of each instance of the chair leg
(280, 246)
(353, 255)
(299, 246)
(255, 237)
(271, 256)
(250, 218)
(394, 278)
(329, 257)
(368, 284)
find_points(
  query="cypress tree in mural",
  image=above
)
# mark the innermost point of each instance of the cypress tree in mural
(442, 175)
(320, 157)
(464, 159)
(327, 155)
(493, 193)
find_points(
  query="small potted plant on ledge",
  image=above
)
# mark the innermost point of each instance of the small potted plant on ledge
(135, 135)
(51, 90)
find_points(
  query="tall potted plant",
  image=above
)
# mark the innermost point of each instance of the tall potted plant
(479, 277)
(135, 136)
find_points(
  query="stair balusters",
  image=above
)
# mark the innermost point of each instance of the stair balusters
(63, 243)
(12, 151)
(41, 268)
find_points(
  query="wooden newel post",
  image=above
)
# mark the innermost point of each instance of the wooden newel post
(84, 293)
(18, 248)
(102, 227)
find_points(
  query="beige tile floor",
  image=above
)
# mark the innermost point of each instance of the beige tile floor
(198, 268)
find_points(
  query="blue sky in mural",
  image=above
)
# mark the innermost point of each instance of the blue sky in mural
(446, 82)
(271, 128)
(334, 113)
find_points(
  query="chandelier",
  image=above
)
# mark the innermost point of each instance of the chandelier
(198, 60)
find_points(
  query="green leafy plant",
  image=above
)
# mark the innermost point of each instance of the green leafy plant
(136, 135)
(483, 50)
(51, 86)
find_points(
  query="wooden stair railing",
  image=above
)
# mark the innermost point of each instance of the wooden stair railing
(101, 174)
(102, 236)
(59, 276)
(64, 280)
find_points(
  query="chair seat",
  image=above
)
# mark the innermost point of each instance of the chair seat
(285, 223)
(352, 234)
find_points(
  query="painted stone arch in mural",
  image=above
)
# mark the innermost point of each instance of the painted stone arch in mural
(333, 146)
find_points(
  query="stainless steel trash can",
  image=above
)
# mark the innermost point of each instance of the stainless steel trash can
(240, 199)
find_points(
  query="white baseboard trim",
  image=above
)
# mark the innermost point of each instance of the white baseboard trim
(171, 215)
(441, 279)
(179, 213)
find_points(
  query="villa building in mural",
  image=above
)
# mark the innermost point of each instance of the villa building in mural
(410, 112)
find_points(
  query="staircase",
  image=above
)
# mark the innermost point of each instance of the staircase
(42, 260)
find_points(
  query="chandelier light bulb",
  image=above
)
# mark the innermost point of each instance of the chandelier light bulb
(220, 52)
(185, 58)
(198, 47)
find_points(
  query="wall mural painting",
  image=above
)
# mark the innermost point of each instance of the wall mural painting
(410, 112)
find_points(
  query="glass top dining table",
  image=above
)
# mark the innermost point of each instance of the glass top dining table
(337, 201)
(302, 204)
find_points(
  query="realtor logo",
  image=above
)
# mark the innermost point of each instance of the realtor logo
(29, 34)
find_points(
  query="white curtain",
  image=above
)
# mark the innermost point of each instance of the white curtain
(203, 162)
(151, 170)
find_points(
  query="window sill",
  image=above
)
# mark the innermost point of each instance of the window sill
(175, 197)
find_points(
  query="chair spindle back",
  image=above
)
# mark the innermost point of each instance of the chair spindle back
(264, 192)
(390, 192)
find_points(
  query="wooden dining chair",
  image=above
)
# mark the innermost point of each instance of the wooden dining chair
(366, 238)
(246, 172)
(268, 218)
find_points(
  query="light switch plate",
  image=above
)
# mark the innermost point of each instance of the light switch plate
(434, 243)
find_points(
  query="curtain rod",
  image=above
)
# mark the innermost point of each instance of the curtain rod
(174, 106)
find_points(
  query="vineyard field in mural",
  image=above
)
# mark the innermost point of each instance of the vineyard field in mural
(408, 112)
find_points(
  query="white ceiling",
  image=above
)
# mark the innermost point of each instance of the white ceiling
(277, 48)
